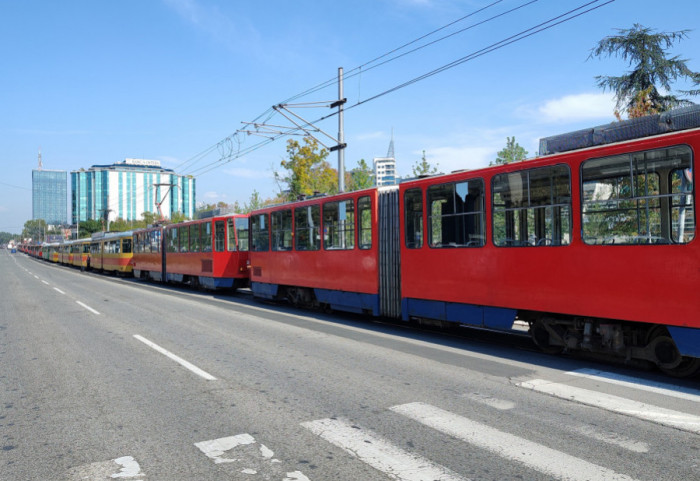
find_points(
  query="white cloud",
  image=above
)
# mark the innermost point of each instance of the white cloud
(572, 108)
(211, 20)
(214, 196)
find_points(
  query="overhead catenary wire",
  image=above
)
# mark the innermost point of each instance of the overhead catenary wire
(269, 113)
(546, 25)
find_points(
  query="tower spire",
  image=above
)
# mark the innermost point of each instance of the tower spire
(40, 164)
(390, 153)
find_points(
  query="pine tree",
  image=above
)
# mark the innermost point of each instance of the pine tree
(646, 52)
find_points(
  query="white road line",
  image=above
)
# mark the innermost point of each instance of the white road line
(45, 282)
(535, 456)
(666, 417)
(666, 389)
(36, 276)
(379, 453)
(613, 438)
(59, 290)
(177, 359)
(500, 404)
(216, 448)
(87, 307)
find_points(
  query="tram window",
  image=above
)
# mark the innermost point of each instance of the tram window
(682, 206)
(259, 232)
(281, 225)
(206, 237)
(184, 234)
(532, 208)
(173, 244)
(364, 219)
(242, 233)
(231, 239)
(219, 235)
(456, 215)
(126, 246)
(307, 223)
(413, 207)
(339, 225)
(195, 241)
(639, 198)
(155, 243)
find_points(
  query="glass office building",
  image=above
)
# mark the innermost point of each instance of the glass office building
(127, 189)
(50, 196)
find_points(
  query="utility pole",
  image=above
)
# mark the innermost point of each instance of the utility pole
(341, 135)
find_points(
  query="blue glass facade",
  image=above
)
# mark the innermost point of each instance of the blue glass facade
(50, 196)
(127, 190)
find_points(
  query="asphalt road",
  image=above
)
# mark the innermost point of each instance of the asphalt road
(104, 378)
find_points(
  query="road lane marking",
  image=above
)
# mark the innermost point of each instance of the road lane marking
(666, 389)
(177, 359)
(613, 438)
(535, 456)
(378, 452)
(128, 469)
(655, 414)
(59, 290)
(256, 461)
(500, 404)
(87, 307)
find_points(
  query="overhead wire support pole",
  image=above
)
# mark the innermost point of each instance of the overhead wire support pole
(341, 136)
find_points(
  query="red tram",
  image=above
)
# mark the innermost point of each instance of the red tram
(592, 244)
(212, 252)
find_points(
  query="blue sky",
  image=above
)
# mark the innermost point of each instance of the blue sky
(96, 82)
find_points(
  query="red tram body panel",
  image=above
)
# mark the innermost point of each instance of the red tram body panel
(210, 252)
(311, 252)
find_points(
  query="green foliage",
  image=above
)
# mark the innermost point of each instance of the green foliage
(646, 52)
(6, 237)
(360, 177)
(34, 229)
(512, 152)
(308, 171)
(254, 203)
(88, 227)
(424, 167)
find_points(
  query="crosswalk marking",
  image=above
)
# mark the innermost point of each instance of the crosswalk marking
(666, 417)
(255, 461)
(640, 384)
(535, 456)
(125, 468)
(379, 453)
(613, 438)
(500, 404)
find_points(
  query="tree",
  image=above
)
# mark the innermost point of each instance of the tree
(88, 227)
(424, 167)
(646, 52)
(254, 203)
(512, 152)
(360, 177)
(34, 229)
(307, 170)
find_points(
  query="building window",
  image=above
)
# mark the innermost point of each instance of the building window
(532, 208)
